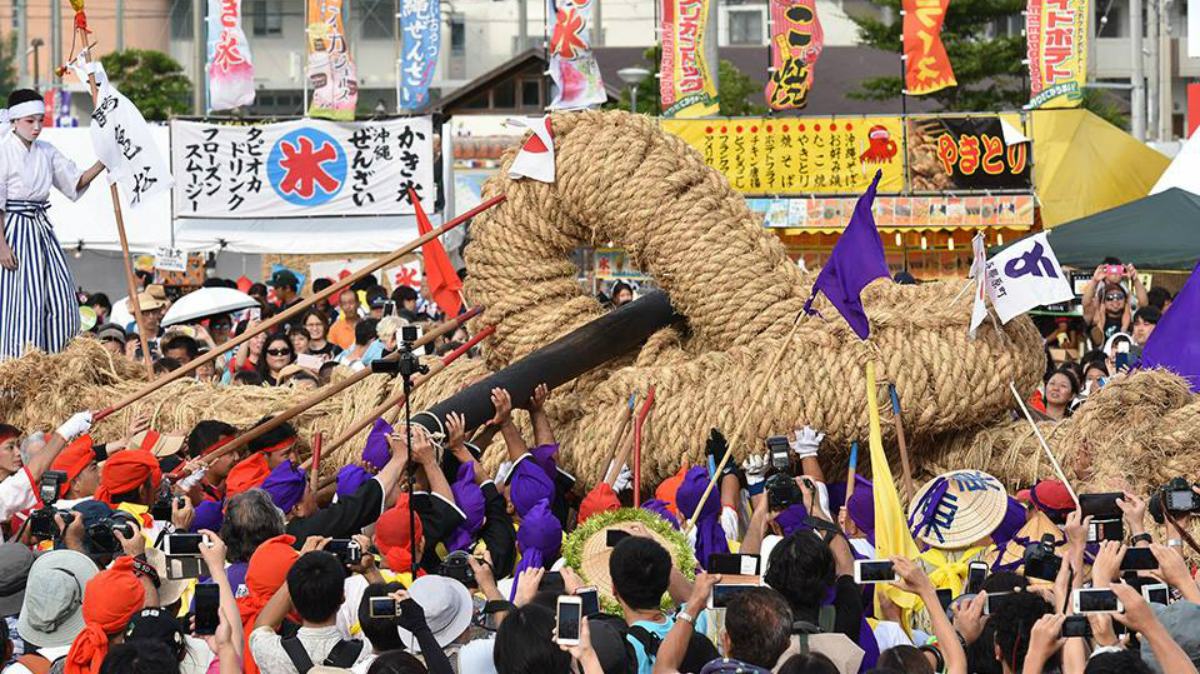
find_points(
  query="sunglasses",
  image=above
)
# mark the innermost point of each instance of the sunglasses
(1114, 296)
(279, 352)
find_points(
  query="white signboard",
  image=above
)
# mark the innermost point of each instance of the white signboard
(170, 259)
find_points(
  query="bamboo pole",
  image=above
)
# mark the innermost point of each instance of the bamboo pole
(314, 475)
(908, 483)
(614, 471)
(1042, 440)
(637, 445)
(282, 317)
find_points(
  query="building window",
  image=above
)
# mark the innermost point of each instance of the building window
(746, 26)
(504, 96)
(181, 20)
(266, 16)
(531, 94)
(458, 35)
(378, 19)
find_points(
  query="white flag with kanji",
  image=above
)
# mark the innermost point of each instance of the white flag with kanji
(979, 273)
(1026, 275)
(536, 158)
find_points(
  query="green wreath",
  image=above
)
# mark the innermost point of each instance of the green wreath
(681, 552)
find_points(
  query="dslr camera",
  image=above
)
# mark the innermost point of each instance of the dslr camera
(41, 521)
(457, 565)
(1179, 499)
(782, 492)
(1040, 560)
(99, 537)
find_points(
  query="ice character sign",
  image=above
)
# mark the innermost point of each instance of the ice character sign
(230, 67)
(574, 73)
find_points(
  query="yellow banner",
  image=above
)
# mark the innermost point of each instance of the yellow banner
(800, 155)
(688, 85)
(1057, 33)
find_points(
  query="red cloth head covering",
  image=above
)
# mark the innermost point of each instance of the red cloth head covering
(110, 600)
(127, 471)
(247, 475)
(666, 490)
(74, 459)
(267, 572)
(600, 499)
(392, 535)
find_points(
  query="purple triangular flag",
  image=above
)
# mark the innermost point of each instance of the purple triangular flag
(1175, 345)
(856, 260)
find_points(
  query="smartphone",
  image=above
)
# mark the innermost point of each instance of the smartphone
(309, 361)
(591, 600)
(731, 564)
(383, 607)
(1076, 626)
(1114, 269)
(1101, 506)
(1092, 600)
(569, 619)
(994, 601)
(614, 536)
(1106, 530)
(1122, 360)
(1139, 559)
(977, 572)
(723, 592)
(410, 333)
(1157, 593)
(256, 314)
(873, 571)
(208, 606)
(184, 544)
(186, 568)
(945, 595)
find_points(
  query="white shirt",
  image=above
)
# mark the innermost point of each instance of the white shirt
(27, 174)
(267, 648)
(16, 494)
(50, 654)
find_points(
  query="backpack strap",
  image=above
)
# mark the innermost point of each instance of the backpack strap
(650, 642)
(803, 639)
(296, 653)
(826, 618)
(35, 663)
(344, 653)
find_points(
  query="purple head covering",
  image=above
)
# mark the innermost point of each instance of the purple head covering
(285, 484)
(792, 519)
(861, 507)
(539, 540)
(469, 498)
(209, 515)
(378, 452)
(710, 537)
(349, 479)
(528, 485)
(659, 507)
(544, 456)
(1014, 519)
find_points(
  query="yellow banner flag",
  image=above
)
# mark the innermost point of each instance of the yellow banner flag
(688, 84)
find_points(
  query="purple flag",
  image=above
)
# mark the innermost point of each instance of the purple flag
(857, 259)
(1174, 344)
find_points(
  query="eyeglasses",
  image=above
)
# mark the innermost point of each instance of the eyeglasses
(279, 352)
(1114, 296)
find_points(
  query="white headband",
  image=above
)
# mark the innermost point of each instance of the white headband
(26, 109)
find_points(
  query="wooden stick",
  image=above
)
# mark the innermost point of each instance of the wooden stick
(908, 483)
(398, 399)
(637, 445)
(324, 393)
(614, 470)
(741, 428)
(302, 306)
(315, 474)
(130, 284)
(1036, 431)
(851, 472)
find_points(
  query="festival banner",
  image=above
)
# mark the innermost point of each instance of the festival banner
(688, 82)
(899, 213)
(331, 73)
(926, 65)
(302, 168)
(407, 274)
(799, 155)
(965, 153)
(1056, 34)
(575, 80)
(229, 66)
(796, 43)
(421, 35)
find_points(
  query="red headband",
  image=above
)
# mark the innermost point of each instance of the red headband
(280, 446)
(217, 445)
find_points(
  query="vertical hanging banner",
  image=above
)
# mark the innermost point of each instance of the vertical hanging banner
(230, 68)
(574, 73)
(331, 72)
(1056, 33)
(421, 35)
(926, 65)
(688, 70)
(796, 43)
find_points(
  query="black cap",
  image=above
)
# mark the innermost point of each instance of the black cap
(284, 278)
(155, 624)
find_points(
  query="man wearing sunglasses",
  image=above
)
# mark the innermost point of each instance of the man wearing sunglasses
(1107, 305)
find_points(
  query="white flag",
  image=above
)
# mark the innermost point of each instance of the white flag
(1024, 276)
(979, 273)
(536, 158)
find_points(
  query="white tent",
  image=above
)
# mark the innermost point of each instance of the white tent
(1184, 171)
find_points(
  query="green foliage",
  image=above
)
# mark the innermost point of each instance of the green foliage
(989, 70)
(8, 67)
(154, 81)
(735, 88)
(1104, 105)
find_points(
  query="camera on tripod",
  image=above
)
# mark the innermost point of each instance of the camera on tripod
(406, 364)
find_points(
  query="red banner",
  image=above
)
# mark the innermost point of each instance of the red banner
(796, 43)
(927, 67)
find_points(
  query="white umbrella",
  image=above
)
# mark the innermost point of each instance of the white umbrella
(207, 302)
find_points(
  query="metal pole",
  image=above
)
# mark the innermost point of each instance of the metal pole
(597, 25)
(37, 47)
(199, 100)
(22, 10)
(1152, 97)
(1138, 77)
(120, 25)
(56, 46)
(1166, 126)
(633, 98)
(522, 26)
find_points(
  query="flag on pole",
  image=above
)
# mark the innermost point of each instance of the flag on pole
(444, 284)
(230, 66)
(926, 65)
(979, 273)
(1175, 343)
(856, 260)
(1026, 275)
(536, 158)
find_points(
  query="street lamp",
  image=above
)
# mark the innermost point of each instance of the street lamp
(633, 77)
(34, 45)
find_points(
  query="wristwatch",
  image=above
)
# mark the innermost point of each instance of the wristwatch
(1141, 538)
(686, 617)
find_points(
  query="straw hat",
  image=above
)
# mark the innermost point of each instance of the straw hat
(586, 549)
(957, 509)
(159, 444)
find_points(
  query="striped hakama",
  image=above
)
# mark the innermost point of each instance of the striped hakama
(38, 305)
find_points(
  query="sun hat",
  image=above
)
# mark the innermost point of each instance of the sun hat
(52, 613)
(15, 562)
(448, 609)
(169, 591)
(957, 509)
(1182, 622)
(159, 444)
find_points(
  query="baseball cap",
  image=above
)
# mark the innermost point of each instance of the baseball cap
(15, 562)
(155, 624)
(52, 613)
(1050, 496)
(283, 277)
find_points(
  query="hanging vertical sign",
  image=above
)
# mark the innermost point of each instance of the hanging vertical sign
(421, 40)
(574, 73)
(926, 65)
(331, 72)
(796, 43)
(1056, 33)
(689, 58)
(229, 66)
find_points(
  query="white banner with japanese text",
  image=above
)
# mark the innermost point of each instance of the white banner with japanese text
(302, 168)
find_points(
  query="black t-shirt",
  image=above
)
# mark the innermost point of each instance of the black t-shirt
(329, 351)
(343, 519)
(439, 519)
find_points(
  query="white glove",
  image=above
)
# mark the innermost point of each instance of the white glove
(624, 477)
(729, 522)
(807, 442)
(193, 478)
(78, 424)
(756, 468)
(692, 533)
(503, 471)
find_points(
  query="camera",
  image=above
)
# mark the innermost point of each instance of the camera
(41, 521)
(346, 550)
(100, 537)
(160, 511)
(457, 565)
(1179, 497)
(409, 333)
(782, 492)
(779, 449)
(1040, 560)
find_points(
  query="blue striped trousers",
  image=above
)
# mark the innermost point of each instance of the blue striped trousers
(38, 305)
